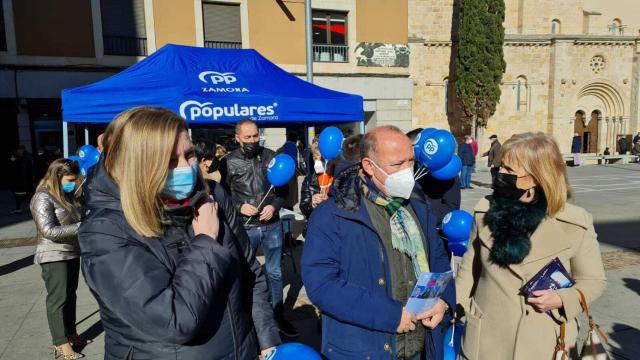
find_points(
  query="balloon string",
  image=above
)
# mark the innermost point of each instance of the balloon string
(261, 202)
(419, 172)
(453, 334)
(422, 175)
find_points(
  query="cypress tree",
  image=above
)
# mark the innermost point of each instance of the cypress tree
(480, 59)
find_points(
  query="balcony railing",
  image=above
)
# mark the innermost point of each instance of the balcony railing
(223, 44)
(330, 53)
(128, 46)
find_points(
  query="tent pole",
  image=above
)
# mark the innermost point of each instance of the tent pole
(65, 139)
(86, 135)
(362, 129)
(309, 50)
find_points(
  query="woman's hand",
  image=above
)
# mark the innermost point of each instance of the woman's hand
(316, 199)
(206, 220)
(431, 318)
(545, 300)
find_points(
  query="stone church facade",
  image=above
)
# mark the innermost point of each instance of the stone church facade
(573, 66)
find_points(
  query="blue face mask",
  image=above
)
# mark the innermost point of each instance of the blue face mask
(69, 187)
(181, 181)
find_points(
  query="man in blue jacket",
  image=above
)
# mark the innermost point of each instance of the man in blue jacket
(364, 249)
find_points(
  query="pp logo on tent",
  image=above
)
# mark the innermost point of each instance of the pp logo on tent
(215, 78)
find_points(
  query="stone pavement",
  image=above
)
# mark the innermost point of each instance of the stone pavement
(610, 193)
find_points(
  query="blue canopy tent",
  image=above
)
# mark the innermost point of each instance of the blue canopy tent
(209, 87)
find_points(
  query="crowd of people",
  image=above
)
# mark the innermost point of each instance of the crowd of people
(165, 230)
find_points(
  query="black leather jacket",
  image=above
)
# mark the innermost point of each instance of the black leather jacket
(179, 296)
(246, 180)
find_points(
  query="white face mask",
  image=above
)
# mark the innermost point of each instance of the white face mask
(318, 166)
(400, 183)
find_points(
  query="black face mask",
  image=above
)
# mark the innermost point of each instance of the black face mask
(215, 165)
(504, 186)
(251, 149)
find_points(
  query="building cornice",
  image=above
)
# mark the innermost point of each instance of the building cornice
(547, 40)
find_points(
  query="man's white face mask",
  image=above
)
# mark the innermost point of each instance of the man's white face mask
(400, 183)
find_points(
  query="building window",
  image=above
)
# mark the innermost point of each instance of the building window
(123, 27)
(555, 26)
(616, 27)
(3, 34)
(522, 93)
(330, 36)
(221, 25)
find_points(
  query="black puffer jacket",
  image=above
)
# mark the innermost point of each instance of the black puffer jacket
(176, 297)
(246, 180)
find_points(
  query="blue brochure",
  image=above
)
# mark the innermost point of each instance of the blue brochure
(427, 291)
(553, 276)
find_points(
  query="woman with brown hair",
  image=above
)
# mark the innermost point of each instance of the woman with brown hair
(518, 231)
(172, 279)
(55, 209)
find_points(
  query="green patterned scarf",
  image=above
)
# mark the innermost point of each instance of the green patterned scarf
(405, 232)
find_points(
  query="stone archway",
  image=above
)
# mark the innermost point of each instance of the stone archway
(586, 126)
(601, 116)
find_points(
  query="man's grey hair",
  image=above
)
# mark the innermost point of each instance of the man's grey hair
(467, 137)
(370, 140)
(244, 122)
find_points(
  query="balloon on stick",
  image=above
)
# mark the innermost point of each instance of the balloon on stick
(457, 225)
(279, 173)
(438, 149)
(293, 351)
(452, 340)
(330, 143)
(419, 142)
(458, 247)
(449, 171)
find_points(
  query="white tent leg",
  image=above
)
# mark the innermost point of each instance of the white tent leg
(362, 127)
(65, 139)
(86, 135)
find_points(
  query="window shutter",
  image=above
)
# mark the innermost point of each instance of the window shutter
(221, 22)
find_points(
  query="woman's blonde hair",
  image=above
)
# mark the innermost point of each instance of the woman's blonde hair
(52, 181)
(138, 147)
(539, 155)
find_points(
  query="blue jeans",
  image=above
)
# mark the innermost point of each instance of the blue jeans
(270, 237)
(465, 177)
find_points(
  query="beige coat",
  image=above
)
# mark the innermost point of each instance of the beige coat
(499, 324)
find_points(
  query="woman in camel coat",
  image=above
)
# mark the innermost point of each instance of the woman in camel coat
(517, 231)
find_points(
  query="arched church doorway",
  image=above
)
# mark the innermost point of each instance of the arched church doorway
(587, 129)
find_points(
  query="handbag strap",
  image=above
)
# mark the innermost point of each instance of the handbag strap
(592, 323)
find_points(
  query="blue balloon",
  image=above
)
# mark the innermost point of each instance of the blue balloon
(457, 225)
(419, 142)
(86, 151)
(75, 158)
(452, 348)
(438, 149)
(330, 143)
(84, 168)
(280, 170)
(448, 171)
(293, 351)
(457, 247)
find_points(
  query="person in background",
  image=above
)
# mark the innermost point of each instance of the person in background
(494, 156)
(55, 208)
(474, 146)
(622, 145)
(636, 148)
(161, 257)
(576, 149)
(221, 151)
(40, 165)
(636, 138)
(290, 148)
(517, 231)
(244, 176)
(443, 196)
(366, 245)
(21, 178)
(207, 159)
(465, 152)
